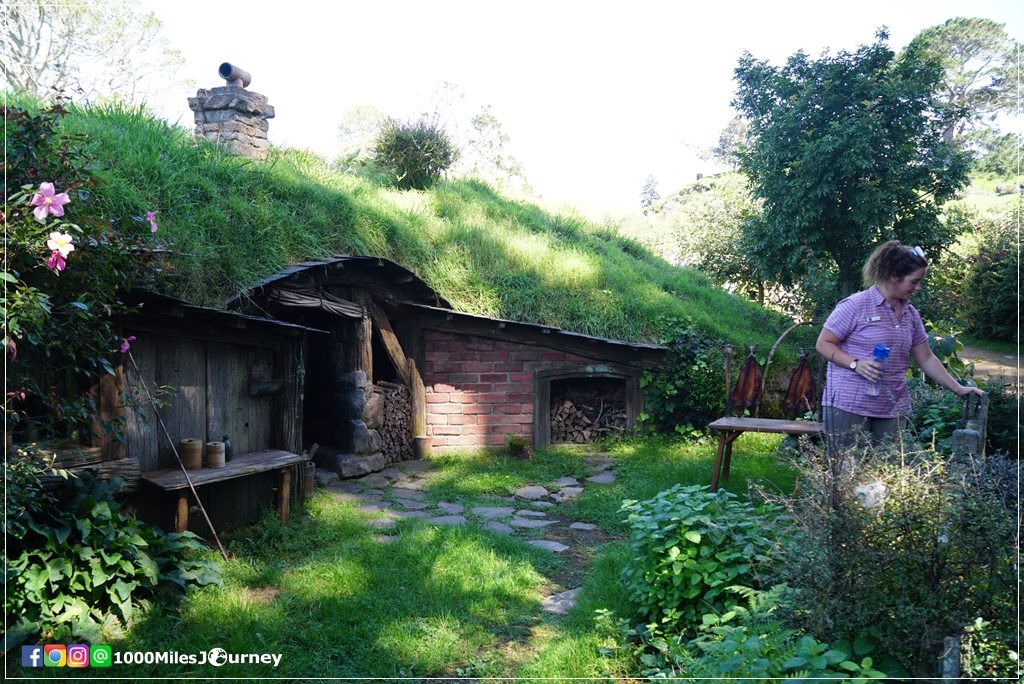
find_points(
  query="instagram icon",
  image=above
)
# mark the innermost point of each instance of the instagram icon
(78, 655)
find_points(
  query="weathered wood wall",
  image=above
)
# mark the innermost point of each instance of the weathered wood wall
(210, 398)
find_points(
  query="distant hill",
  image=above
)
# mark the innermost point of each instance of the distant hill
(230, 222)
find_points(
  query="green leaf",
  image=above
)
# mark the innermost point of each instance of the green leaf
(4, 275)
(693, 536)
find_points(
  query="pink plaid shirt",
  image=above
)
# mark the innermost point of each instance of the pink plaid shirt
(860, 322)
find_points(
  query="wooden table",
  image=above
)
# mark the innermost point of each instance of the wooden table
(730, 427)
(172, 479)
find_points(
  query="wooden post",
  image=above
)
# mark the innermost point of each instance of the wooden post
(364, 335)
(421, 442)
(284, 494)
(728, 381)
(181, 513)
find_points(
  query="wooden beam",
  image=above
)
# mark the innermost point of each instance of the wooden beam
(364, 335)
(391, 343)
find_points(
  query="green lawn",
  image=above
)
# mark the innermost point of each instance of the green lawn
(335, 601)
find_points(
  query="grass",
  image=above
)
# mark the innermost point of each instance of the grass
(438, 601)
(230, 222)
(995, 346)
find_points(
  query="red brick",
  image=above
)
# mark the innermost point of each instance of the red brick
(527, 407)
(479, 344)
(510, 367)
(495, 440)
(459, 419)
(447, 430)
(553, 356)
(507, 346)
(475, 429)
(463, 398)
(524, 355)
(463, 378)
(522, 387)
(477, 367)
(437, 419)
(495, 419)
(477, 388)
(522, 418)
(494, 377)
(520, 377)
(508, 408)
(476, 409)
(493, 356)
(441, 388)
(438, 441)
(495, 398)
(440, 367)
(437, 398)
(521, 398)
(445, 408)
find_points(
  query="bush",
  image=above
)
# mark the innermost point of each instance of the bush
(746, 642)
(415, 153)
(77, 567)
(1003, 419)
(689, 391)
(992, 282)
(901, 546)
(688, 546)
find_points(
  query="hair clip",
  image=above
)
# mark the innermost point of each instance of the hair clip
(918, 251)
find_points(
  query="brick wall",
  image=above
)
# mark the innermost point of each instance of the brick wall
(479, 390)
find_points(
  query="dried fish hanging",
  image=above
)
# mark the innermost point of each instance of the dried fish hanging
(749, 390)
(800, 395)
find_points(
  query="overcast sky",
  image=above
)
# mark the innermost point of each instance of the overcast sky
(595, 96)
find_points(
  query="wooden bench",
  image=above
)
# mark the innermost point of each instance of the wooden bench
(731, 427)
(173, 480)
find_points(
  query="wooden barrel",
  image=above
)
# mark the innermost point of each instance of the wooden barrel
(215, 454)
(191, 451)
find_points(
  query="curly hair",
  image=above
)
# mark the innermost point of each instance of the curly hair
(892, 259)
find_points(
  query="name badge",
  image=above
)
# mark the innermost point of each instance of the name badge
(874, 319)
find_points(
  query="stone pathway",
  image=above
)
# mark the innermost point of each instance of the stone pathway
(398, 492)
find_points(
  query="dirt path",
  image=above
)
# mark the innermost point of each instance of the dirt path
(993, 365)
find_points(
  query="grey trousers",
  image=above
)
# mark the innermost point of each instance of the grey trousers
(842, 427)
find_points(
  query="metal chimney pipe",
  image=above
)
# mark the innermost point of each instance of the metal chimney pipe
(234, 75)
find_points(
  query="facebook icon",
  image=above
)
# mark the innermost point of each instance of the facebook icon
(31, 656)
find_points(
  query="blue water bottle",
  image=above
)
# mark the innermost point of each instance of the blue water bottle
(881, 355)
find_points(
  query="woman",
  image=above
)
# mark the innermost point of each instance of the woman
(882, 314)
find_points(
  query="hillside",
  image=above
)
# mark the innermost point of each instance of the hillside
(229, 222)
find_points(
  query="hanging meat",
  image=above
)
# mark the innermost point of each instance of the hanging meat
(749, 389)
(800, 395)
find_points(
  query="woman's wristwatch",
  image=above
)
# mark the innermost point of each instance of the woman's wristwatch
(853, 365)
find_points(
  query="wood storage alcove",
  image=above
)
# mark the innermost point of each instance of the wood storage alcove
(583, 404)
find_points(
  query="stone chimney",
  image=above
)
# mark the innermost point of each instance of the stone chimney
(232, 116)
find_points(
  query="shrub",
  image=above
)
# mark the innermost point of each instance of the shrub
(899, 545)
(77, 567)
(415, 153)
(743, 643)
(688, 546)
(1003, 419)
(689, 391)
(992, 282)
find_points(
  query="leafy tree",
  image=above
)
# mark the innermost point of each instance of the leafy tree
(845, 151)
(732, 138)
(357, 131)
(90, 49)
(649, 195)
(994, 152)
(981, 70)
(485, 153)
(415, 153)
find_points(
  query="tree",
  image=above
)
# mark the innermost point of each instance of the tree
(994, 152)
(87, 49)
(485, 154)
(981, 69)
(649, 195)
(845, 151)
(732, 138)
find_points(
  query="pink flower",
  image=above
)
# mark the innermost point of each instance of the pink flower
(47, 203)
(13, 348)
(126, 344)
(57, 262)
(151, 217)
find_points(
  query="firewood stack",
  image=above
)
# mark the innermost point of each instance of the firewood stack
(396, 433)
(584, 416)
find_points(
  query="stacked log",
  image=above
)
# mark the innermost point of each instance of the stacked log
(585, 416)
(396, 431)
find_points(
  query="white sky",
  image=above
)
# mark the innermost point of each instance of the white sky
(595, 95)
